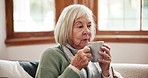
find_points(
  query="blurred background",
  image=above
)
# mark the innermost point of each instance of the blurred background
(26, 27)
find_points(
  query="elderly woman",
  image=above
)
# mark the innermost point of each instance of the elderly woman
(72, 58)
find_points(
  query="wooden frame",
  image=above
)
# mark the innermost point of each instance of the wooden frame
(25, 38)
(124, 36)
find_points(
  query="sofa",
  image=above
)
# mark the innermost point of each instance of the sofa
(27, 69)
(131, 70)
(18, 68)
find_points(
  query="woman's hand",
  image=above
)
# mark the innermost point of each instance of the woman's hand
(106, 60)
(82, 58)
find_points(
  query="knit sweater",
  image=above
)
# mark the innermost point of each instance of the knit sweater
(54, 64)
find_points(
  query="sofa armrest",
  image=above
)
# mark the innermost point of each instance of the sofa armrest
(131, 70)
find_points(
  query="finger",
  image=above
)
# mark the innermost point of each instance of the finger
(107, 46)
(85, 61)
(106, 50)
(88, 55)
(84, 56)
(105, 55)
(80, 54)
(108, 58)
(104, 61)
(86, 49)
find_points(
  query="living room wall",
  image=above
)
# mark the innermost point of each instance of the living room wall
(2, 30)
(121, 52)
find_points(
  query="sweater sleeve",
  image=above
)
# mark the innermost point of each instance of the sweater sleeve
(69, 73)
(54, 65)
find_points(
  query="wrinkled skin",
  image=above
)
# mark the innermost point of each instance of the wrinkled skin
(80, 37)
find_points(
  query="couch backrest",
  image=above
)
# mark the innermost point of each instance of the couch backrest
(30, 67)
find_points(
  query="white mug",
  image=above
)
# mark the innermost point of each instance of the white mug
(95, 47)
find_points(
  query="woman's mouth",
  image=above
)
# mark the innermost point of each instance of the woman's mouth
(86, 40)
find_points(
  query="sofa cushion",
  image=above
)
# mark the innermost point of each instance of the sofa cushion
(29, 66)
(12, 69)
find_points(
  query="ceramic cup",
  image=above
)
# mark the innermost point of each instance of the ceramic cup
(95, 47)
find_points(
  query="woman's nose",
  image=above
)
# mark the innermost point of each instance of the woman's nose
(86, 30)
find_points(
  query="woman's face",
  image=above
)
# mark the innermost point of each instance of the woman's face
(81, 32)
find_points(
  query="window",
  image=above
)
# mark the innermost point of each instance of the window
(119, 15)
(33, 15)
(33, 21)
(123, 20)
(26, 21)
(29, 23)
(145, 15)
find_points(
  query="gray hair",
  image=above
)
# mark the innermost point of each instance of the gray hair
(63, 29)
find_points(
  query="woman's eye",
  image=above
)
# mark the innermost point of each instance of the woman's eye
(80, 26)
(89, 26)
